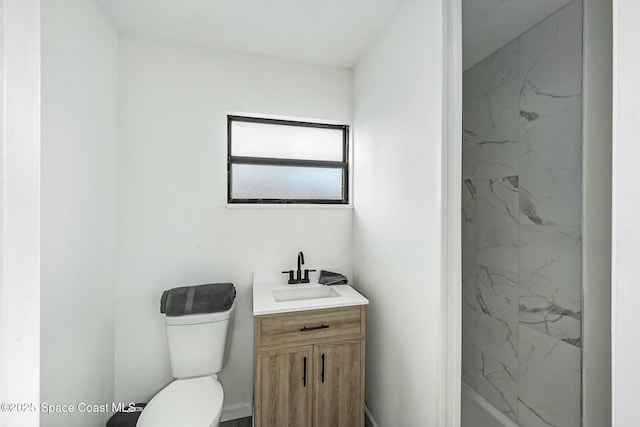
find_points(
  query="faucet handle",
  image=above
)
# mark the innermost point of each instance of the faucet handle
(290, 273)
(306, 274)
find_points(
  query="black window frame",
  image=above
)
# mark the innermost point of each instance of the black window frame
(344, 164)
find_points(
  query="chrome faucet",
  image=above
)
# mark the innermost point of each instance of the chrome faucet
(299, 278)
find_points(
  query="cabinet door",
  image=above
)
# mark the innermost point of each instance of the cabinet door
(339, 384)
(283, 387)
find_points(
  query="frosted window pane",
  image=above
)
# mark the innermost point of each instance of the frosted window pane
(286, 182)
(285, 142)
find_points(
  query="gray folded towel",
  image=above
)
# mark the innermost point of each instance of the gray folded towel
(209, 298)
(329, 278)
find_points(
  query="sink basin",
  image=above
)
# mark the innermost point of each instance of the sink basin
(316, 292)
(272, 295)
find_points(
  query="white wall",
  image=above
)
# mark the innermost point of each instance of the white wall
(19, 208)
(79, 183)
(626, 210)
(397, 217)
(174, 226)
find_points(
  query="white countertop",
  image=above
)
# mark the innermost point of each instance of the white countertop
(264, 284)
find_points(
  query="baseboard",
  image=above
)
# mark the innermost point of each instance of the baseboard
(370, 421)
(236, 411)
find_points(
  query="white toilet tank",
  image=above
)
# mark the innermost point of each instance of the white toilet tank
(198, 342)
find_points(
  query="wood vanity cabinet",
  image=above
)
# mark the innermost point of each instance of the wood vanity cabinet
(309, 368)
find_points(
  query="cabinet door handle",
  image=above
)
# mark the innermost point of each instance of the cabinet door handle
(313, 328)
(304, 372)
(322, 374)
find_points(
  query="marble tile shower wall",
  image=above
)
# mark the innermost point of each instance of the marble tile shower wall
(522, 195)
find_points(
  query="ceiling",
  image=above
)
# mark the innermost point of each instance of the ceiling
(490, 24)
(324, 32)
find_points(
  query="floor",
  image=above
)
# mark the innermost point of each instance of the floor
(242, 422)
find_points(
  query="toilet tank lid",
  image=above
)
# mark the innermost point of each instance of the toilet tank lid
(189, 402)
(194, 319)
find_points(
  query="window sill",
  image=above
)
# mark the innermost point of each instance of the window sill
(287, 206)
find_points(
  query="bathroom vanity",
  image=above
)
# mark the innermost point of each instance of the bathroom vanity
(309, 355)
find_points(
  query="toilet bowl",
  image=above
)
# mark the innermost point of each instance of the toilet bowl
(193, 402)
(197, 350)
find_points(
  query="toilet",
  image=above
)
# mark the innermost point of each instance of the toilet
(197, 349)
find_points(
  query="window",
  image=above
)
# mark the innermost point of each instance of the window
(283, 161)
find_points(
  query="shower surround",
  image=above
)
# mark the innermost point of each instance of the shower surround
(521, 232)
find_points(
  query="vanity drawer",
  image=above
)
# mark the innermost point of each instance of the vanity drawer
(306, 327)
